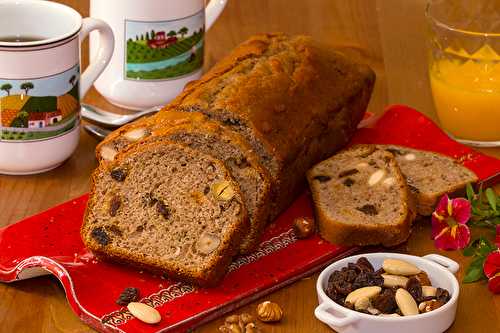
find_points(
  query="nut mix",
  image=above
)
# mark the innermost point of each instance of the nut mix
(399, 288)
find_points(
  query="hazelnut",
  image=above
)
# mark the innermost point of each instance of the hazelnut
(223, 190)
(233, 319)
(303, 227)
(269, 312)
(207, 243)
(246, 318)
(252, 328)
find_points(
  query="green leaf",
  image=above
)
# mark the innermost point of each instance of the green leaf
(470, 192)
(492, 198)
(469, 251)
(473, 274)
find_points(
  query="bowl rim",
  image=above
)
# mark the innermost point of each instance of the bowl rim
(325, 274)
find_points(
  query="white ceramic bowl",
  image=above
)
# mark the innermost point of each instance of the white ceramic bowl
(440, 270)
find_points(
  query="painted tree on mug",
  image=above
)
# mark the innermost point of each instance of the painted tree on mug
(27, 86)
(183, 31)
(6, 87)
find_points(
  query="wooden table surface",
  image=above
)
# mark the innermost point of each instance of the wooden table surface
(387, 34)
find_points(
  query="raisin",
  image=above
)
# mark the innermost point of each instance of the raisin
(114, 205)
(163, 209)
(128, 295)
(413, 189)
(385, 302)
(394, 151)
(368, 209)
(343, 287)
(442, 295)
(367, 279)
(115, 230)
(149, 200)
(348, 182)
(414, 287)
(100, 236)
(322, 179)
(206, 190)
(349, 172)
(365, 265)
(231, 122)
(118, 174)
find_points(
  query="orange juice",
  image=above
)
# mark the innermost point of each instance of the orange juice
(466, 92)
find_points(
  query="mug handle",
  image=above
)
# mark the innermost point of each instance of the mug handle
(103, 54)
(213, 10)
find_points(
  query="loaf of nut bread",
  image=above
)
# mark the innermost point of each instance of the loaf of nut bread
(295, 101)
(167, 208)
(291, 101)
(361, 198)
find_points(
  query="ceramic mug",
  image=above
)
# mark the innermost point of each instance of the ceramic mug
(40, 82)
(158, 48)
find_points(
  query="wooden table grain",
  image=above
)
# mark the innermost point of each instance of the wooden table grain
(387, 34)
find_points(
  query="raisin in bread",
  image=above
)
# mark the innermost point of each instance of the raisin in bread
(166, 208)
(254, 181)
(361, 198)
(295, 101)
(430, 175)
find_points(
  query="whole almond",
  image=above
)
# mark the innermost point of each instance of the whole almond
(362, 303)
(368, 292)
(144, 312)
(406, 303)
(399, 267)
(394, 280)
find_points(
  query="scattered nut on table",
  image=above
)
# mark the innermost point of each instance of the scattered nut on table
(240, 323)
(144, 312)
(269, 312)
(304, 227)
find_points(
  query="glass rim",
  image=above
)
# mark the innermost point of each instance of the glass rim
(446, 26)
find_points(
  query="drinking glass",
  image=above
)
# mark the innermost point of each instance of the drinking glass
(464, 68)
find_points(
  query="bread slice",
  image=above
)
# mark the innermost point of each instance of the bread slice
(361, 198)
(243, 164)
(166, 208)
(430, 175)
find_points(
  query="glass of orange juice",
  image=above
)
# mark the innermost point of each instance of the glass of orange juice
(464, 68)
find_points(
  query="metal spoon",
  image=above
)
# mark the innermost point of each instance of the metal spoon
(97, 131)
(95, 114)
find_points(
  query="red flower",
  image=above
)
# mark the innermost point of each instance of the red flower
(497, 237)
(449, 223)
(492, 271)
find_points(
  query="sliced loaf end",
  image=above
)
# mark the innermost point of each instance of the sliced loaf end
(431, 175)
(167, 208)
(361, 198)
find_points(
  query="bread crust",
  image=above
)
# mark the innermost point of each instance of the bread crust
(337, 232)
(207, 276)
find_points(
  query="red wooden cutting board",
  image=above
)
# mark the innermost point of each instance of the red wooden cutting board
(49, 243)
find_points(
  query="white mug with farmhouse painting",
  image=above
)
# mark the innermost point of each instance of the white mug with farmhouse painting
(158, 48)
(40, 82)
